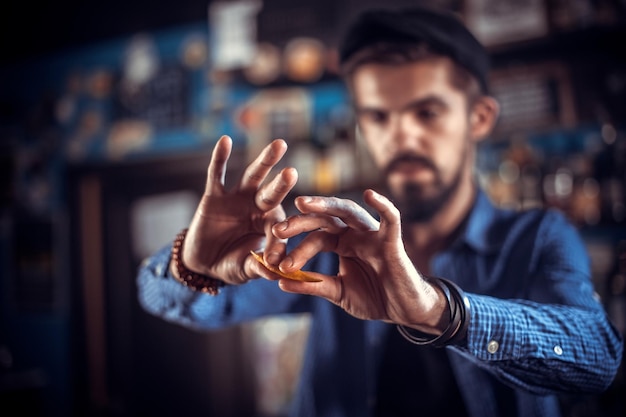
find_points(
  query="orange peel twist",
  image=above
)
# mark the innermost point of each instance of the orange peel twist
(295, 275)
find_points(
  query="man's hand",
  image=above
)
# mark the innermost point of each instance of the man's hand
(228, 224)
(376, 279)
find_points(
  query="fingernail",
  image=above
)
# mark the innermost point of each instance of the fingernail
(281, 226)
(307, 199)
(286, 263)
(273, 258)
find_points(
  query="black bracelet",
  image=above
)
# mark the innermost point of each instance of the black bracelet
(459, 318)
(464, 307)
(420, 338)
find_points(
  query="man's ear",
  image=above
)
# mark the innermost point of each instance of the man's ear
(483, 117)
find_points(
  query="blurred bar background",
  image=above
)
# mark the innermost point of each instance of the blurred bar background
(108, 113)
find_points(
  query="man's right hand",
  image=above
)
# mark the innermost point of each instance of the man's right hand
(228, 224)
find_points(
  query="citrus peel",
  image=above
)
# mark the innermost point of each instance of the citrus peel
(295, 275)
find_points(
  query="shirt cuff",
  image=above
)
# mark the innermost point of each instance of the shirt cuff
(510, 330)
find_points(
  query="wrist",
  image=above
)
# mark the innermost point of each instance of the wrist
(440, 314)
(187, 277)
(459, 315)
(434, 315)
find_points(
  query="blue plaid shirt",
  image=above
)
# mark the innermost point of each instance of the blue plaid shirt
(535, 327)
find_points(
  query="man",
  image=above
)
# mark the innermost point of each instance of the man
(439, 305)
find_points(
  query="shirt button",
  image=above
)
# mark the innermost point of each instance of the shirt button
(558, 350)
(493, 346)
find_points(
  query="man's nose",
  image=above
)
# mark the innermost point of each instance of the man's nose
(408, 134)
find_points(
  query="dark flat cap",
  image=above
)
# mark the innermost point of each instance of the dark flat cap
(442, 31)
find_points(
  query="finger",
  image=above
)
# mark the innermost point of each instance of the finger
(330, 288)
(311, 245)
(295, 275)
(390, 223)
(303, 223)
(348, 211)
(257, 171)
(216, 172)
(273, 194)
(275, 247)
(259, 270)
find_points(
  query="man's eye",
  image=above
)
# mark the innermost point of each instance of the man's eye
(376, 117)
(427, 114)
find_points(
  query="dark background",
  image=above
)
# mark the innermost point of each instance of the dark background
(31, 28)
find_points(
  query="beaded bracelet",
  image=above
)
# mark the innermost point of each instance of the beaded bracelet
(459, 318)
(193, 280)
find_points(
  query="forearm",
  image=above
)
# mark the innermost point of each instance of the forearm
(543, 348)
(160, 294)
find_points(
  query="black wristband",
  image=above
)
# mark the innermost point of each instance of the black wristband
(464, 306)
(459, 318)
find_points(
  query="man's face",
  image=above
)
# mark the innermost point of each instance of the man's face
(416, 126)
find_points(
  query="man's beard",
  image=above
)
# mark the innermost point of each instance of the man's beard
(413, 202)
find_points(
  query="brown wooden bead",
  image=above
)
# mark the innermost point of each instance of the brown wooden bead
(191, 279)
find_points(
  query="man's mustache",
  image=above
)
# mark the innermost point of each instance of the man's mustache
(399, 160)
